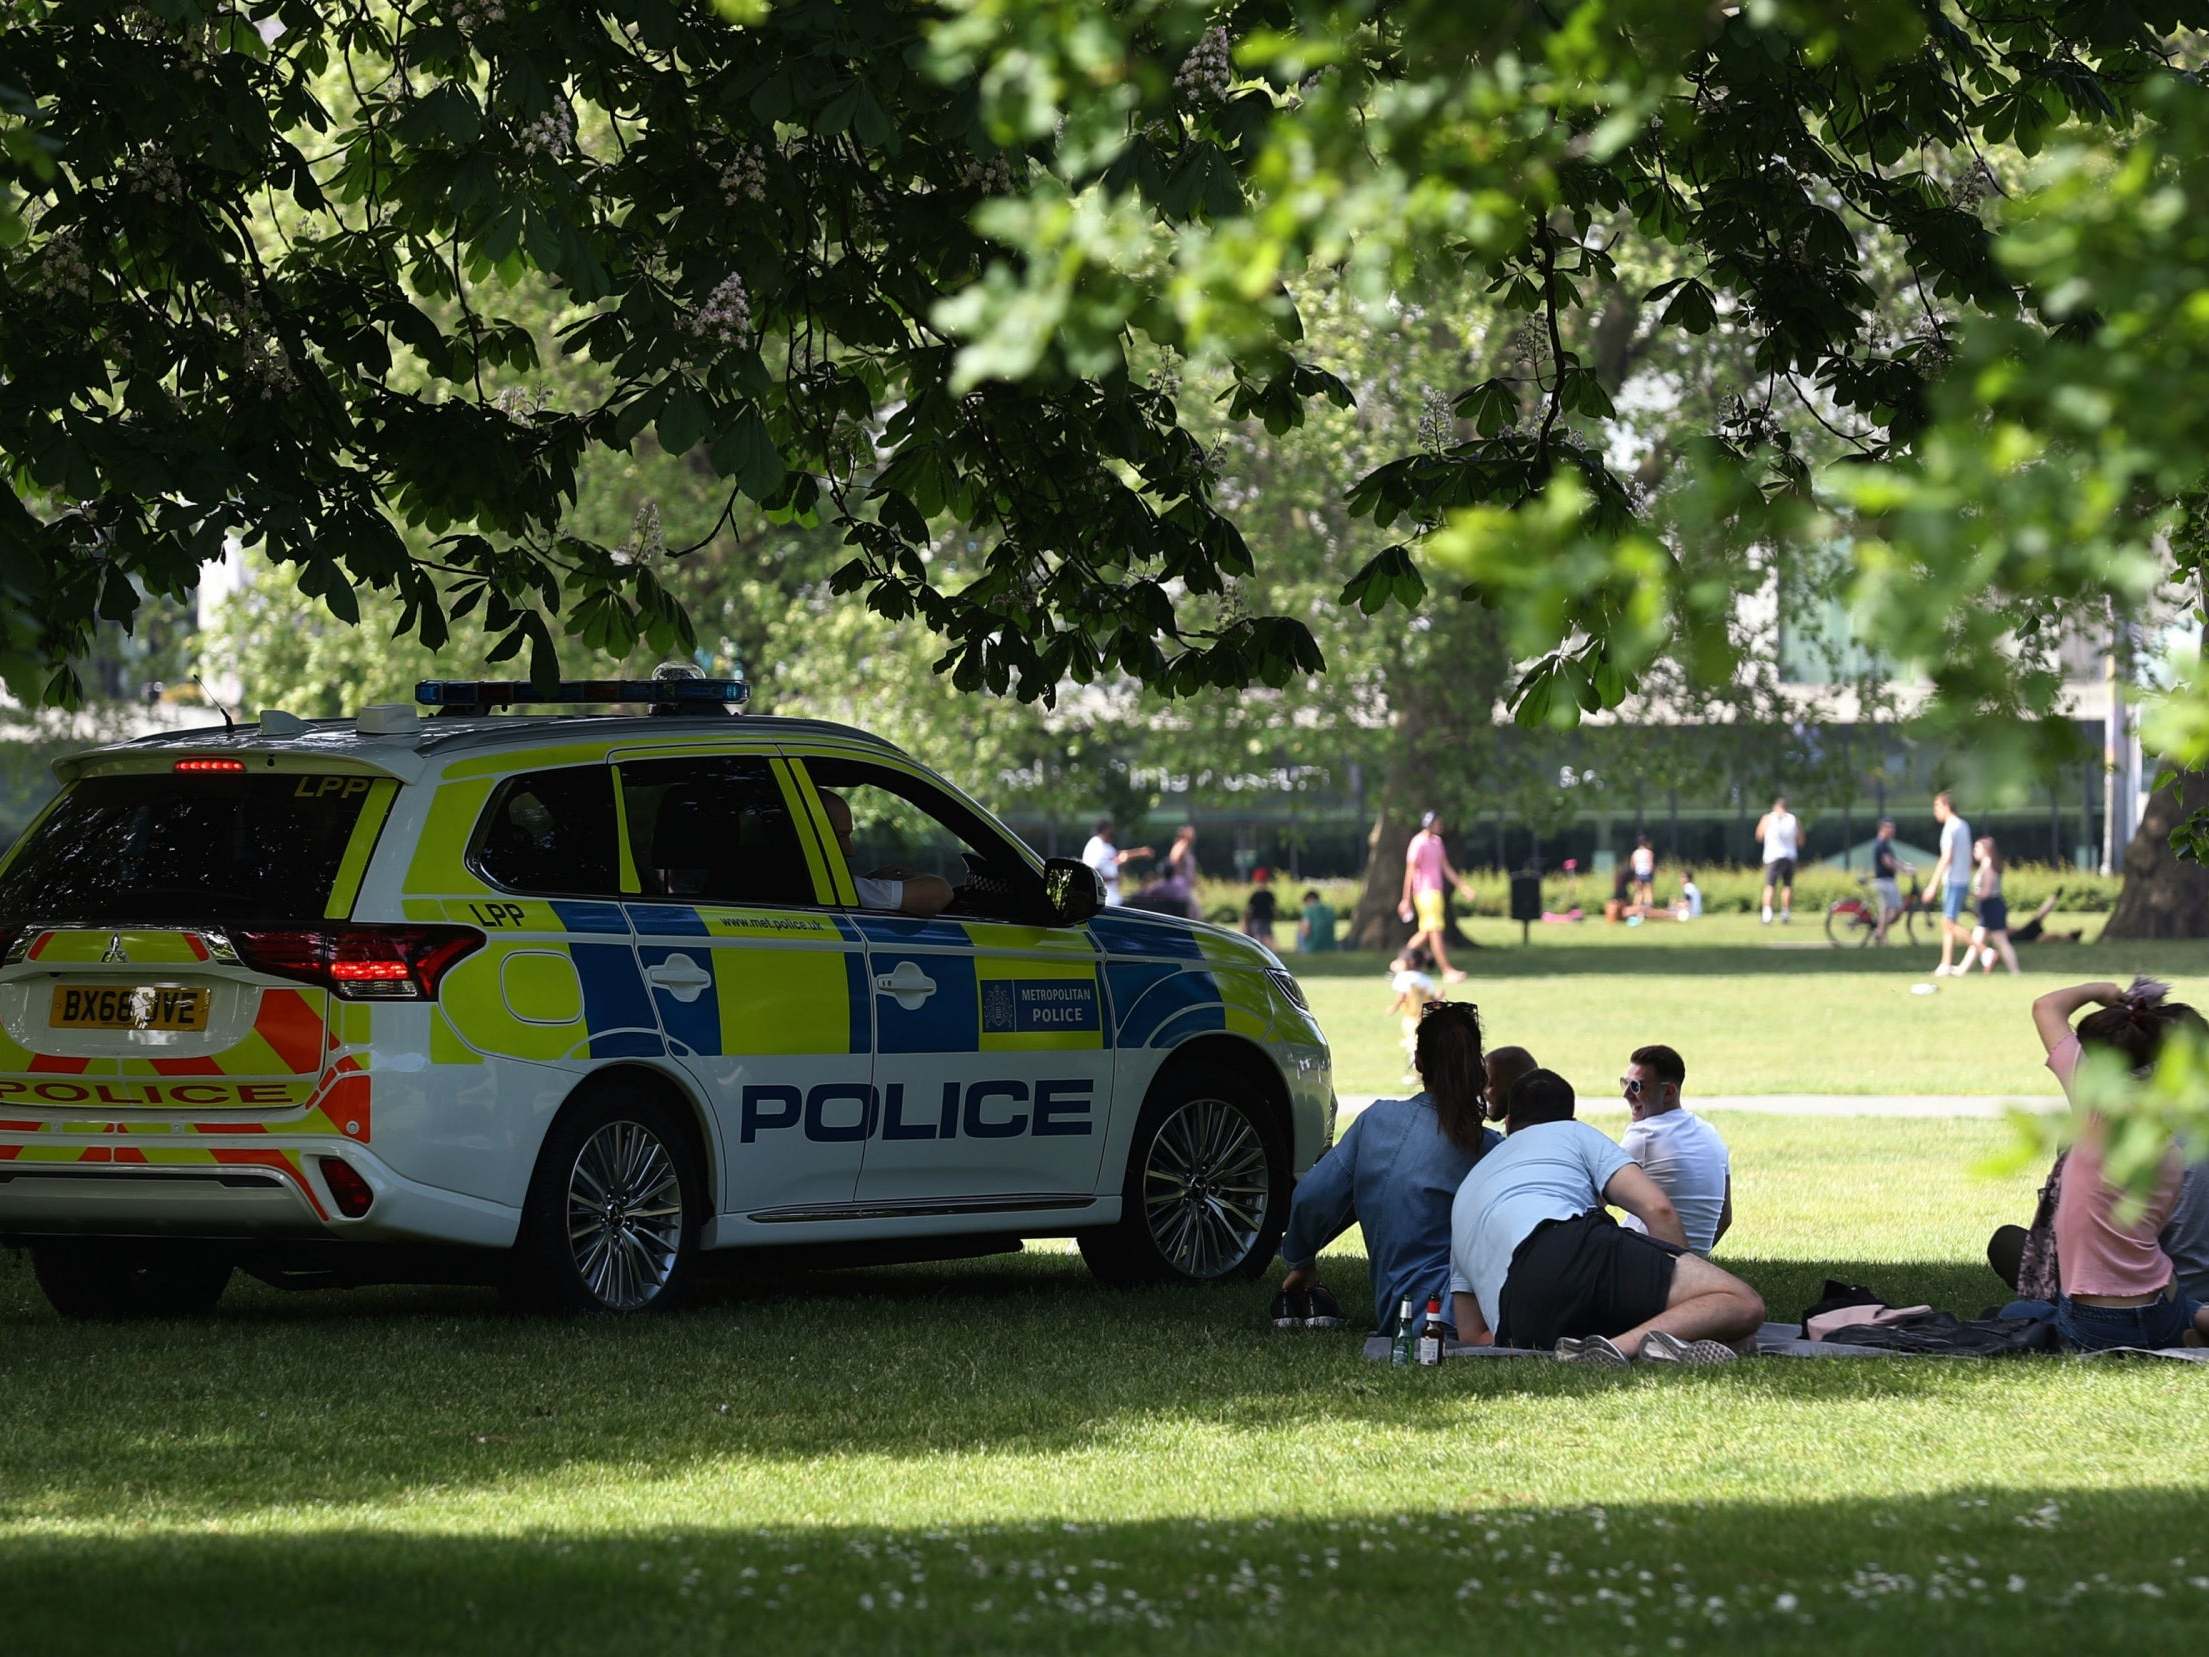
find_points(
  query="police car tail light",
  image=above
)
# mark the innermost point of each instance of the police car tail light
(207, 767)
(362, 963)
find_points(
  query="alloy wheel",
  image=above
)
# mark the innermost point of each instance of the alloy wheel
(625, 1215)
(1205, 1188)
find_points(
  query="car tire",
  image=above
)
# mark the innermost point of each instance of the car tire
(611, 1223)
(1206, 1193)
(102, 1279)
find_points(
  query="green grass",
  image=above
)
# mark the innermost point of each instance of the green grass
(1000, 1456)
(1752, 1009)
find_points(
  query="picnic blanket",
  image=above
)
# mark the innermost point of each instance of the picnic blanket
(1784, 1340)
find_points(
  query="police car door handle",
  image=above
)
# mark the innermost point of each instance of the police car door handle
(908, 986)
(681, 977)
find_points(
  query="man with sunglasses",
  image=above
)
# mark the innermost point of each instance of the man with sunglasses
(1677, 1149)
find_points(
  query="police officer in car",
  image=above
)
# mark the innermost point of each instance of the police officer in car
(892, 889)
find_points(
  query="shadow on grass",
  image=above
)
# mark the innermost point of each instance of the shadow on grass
(281, 1401)
(1966, 1570)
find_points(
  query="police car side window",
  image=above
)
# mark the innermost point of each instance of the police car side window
(902, 826)
(714, 829)
(551, 832)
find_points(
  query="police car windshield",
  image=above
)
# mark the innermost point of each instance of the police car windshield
(165, 847)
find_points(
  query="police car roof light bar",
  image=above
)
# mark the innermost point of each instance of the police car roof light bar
(478, 696)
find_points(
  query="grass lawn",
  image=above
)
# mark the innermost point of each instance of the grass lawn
(1000, 1456)
(1753, 1009)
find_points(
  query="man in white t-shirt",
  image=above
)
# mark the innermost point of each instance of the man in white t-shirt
(1781, 837)
(1105, 857)
(895, 891)
(1536, 1261)
(1677, 1149)
(1952, 880)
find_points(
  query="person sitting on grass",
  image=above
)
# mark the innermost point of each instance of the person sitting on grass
(1505, 1066)
(1394, 1172)
(1536, 1262)
(1315, 926)
(2115, 1284)
(1677, 1148)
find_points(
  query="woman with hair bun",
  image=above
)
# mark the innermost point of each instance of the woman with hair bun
(2115, 1285)
(1395, 1172)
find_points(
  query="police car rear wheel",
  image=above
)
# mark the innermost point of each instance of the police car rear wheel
(1205, 1196)
(613, 1215)
(97, 1278)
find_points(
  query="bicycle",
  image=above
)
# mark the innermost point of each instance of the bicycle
(1856, 920)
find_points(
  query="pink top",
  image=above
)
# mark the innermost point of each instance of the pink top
(2094, 1256)
(1426, 857)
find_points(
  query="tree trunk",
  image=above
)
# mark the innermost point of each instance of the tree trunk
(1374, 923)
(2164, 895)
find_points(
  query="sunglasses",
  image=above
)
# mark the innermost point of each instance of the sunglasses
(1433, 1007)
(1633, 1088)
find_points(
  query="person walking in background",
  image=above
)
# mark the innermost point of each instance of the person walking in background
(1780, 835)
(1102, 855)
(1315, 925)
(1643, 861)
(1993, 931)
(1886, 878)
(1676, 1148)
(1395, 1172)
(1952, 879)
(1174, 892)
(1261, 907)
(1427, 876)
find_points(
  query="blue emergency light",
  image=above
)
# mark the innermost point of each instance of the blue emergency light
(674, 694)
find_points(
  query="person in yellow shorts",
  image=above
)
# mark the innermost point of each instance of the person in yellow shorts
(1427, 875)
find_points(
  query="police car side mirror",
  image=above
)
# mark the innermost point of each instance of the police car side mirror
(1072, 889)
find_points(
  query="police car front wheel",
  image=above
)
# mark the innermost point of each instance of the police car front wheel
(1206, 1194)
(612, 1223)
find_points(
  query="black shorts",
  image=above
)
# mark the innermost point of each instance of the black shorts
(1780, 872)
(1585, 1276)
(1994, 914)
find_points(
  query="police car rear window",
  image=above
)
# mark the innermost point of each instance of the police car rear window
(552, 832)
(165, 847)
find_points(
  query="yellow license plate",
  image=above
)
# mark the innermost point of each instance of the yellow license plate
(127, 1007)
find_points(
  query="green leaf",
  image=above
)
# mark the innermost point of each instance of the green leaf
(837, 115)
(684, 419)
(746, 453)
(1694, 308)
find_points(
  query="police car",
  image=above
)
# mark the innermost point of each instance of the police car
(565, 1000)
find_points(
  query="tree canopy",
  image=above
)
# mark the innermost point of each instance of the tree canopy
(895, 267)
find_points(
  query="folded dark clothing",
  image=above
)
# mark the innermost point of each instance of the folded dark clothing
(1943, 1334)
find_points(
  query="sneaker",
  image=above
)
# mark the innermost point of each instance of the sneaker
(1325, 1311)
(1767, 917)
(1787, 917)
(1455, 975)
(1591, 1351)
(1292, 1310)
(1661, 1348)
(1986, 960)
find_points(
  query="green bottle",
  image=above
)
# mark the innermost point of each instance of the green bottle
(1399, 1351)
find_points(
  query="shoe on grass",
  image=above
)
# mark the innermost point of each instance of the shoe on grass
(1325, 1311)
(1661, 1348)
(1591, 1352)
(1292, 1309)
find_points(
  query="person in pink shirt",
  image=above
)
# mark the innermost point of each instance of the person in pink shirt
(2116, 1285)
(1427, 875)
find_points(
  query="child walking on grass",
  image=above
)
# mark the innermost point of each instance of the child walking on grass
(2116, 1286)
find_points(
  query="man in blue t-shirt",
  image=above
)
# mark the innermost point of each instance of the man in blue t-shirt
(1536, 1261)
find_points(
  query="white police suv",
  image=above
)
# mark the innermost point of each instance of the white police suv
(565, 1000)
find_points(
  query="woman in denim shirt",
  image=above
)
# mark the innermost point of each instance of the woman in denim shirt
(1395, 1172)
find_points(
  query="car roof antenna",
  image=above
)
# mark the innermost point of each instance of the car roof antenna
(228, 724)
